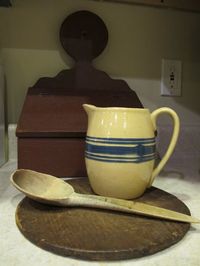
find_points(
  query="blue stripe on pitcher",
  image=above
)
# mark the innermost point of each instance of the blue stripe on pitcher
(120, 140)
(117, 149)
(119, 159)
(139, 149)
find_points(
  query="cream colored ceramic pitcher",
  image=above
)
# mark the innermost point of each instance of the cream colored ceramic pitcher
(121, 148)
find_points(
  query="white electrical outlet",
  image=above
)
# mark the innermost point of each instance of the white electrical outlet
(171, 77)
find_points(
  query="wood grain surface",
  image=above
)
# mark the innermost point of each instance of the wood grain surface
(93, 234)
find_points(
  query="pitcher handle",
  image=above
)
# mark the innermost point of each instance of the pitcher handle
(175, 133)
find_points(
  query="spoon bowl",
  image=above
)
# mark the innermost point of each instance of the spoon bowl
(50, 190)
(41, 187)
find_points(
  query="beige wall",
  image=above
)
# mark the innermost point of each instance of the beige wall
(139, 37)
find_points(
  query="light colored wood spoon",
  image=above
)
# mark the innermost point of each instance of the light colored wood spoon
(55, 191)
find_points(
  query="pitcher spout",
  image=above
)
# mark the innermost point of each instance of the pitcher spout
(89, 108)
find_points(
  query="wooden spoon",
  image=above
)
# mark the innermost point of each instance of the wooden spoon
(55, 191)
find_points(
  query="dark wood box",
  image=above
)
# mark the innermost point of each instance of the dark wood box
(52, 125)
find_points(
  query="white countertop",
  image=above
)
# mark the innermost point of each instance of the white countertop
(15, 249)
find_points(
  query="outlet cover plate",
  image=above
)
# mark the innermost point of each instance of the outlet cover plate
(171, 77)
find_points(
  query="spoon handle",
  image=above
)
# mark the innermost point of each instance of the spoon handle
(129, 207)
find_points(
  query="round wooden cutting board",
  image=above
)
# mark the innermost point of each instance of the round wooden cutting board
(93, 234)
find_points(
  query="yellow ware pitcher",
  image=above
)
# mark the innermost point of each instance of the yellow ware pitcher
(121, 148)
